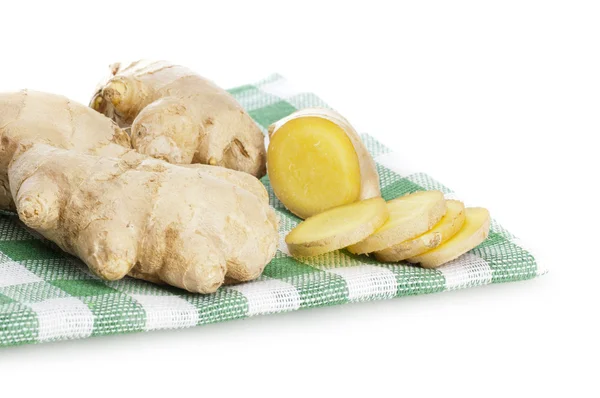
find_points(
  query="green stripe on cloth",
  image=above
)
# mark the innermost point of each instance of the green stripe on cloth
(47, 295)
(399, 188)
(18, 324)
(269, 114)
(5, 300)
(508, 261)
(309, 281)
(60, 268)
(27, 250)
(33, 292)
(115, 313)
(223, 305)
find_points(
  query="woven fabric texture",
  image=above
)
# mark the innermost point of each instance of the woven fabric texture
(47, 295)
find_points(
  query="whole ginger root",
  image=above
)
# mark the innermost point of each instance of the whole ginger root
(181, 117)
(185, 226)
(53, 119)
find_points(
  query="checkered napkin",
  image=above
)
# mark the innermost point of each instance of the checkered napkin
(47, 295)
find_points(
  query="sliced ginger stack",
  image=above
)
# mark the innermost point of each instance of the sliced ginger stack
(447, 227)
(410, 216)
(420, 228)
(474, 231)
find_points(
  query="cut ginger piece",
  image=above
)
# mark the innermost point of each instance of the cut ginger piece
(441, 232)
(316, 162)
(474, 231)
(337, 228)
(410, 216)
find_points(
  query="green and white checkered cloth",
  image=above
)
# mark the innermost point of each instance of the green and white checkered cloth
(46, 295)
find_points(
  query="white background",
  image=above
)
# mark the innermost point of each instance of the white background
(499, 100)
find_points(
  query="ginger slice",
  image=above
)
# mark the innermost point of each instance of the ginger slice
(445, 229)
(337, 228)
(474, 231)
(410, 216)
(316, 161)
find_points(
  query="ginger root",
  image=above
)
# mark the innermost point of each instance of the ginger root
(185, 226)
(337, 228)
(178, 116)
(317, 161)
(52, 119)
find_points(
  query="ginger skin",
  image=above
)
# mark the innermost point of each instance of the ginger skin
(185, 226)
(52, 119)
(180, 117)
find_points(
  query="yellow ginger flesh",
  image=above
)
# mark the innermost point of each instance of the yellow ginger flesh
(337, 228)
(447, 227)
(410, 216)
(312, 166)
(473, 232)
